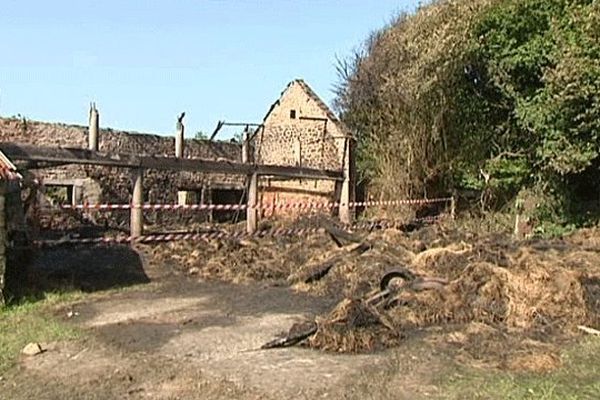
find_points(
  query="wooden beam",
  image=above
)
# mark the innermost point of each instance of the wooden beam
(298, 172)
(37, 154)
(30, 153)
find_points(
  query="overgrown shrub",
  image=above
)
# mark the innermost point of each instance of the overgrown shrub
(487, 95)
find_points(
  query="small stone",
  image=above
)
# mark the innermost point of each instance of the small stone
(194, 271)
(195, 254)
(32, 349)
(247, 243)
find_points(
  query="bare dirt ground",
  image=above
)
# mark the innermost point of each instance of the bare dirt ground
(187, 339)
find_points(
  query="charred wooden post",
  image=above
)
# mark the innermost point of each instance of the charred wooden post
(246, 156)
(137, 215)
(94, 128)
(179, 141)
(251, 209)
(252, 182)
(345, 212)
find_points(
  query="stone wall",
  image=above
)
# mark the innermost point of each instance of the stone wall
(300, 141)
(300, 130)
(113, 185)
(111, 141)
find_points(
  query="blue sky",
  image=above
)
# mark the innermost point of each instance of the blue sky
(144, 62)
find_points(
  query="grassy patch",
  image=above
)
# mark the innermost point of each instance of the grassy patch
(31, 321)
(577, 379)
(419, 371)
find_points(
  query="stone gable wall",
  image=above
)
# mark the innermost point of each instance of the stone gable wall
(320, 144)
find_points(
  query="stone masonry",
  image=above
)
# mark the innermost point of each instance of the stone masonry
(113, 185)
(300, 130)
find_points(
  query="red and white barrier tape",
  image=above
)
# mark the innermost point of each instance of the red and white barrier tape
(230, 207)
(275, 232)
(182, 236)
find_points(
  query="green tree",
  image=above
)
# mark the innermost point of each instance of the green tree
(201, 135)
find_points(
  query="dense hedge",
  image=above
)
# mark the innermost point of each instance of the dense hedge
(501, 98)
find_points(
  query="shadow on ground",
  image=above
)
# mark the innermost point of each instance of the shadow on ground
(84, 268)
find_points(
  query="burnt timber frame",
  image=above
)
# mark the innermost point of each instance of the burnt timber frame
(33, 157)
(38, 156)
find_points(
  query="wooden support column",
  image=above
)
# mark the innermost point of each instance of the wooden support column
(252, 182)
(246, 149)
(179, 140)
(137, 214)
(94, 128)
(251, 211)
(345, 212)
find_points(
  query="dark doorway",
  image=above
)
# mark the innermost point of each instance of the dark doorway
(228, 196)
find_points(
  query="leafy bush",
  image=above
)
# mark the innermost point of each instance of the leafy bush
(487, 95)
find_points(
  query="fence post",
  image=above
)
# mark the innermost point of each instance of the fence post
(345, 212)
(251, 210)
(94, 128)
(453, 206)
(137, 213)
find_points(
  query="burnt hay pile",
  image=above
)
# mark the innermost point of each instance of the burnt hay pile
(520, 296)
